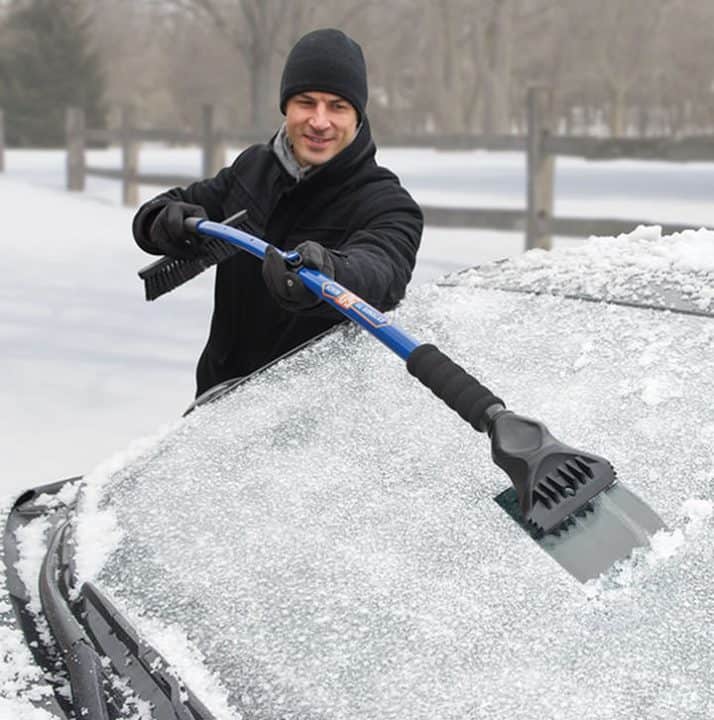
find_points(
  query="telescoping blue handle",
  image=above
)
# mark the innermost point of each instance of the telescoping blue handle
(447, 380)
(323, 287)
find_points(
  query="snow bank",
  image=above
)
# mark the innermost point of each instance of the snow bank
(87, 363)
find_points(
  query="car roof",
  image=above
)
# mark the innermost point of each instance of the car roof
(642, 269)
(327, 536)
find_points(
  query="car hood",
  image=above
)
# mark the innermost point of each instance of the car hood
(326, 539)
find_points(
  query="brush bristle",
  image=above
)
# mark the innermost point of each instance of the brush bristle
(168, 273)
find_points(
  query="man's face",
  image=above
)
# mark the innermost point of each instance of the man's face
(319, 125)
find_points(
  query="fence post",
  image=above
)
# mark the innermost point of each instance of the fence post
(2, 141)
(74, 132)
(540, 170)
(214, 148)
(130, 157)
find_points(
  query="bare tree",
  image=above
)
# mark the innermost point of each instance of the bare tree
(446, 66)
(252, 28)
(494, 51)
(259, 31)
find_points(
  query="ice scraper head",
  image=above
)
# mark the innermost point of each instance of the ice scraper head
(552, 480)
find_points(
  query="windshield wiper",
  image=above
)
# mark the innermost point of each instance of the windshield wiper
(143, 668)
(106, 662)
(80, 658)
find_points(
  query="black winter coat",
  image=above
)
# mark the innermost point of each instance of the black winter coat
(350, 205)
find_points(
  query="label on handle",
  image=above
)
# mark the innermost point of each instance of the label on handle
(349, 301)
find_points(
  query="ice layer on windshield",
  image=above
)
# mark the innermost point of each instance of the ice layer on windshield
(327, 535)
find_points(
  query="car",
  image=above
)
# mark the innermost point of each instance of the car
(320, 539)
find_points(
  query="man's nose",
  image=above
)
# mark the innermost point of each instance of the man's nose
(319, 119)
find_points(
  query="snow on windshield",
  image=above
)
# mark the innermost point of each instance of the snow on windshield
(326, 535)
(643, 266)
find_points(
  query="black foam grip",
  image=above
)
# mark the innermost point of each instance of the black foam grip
(450, 382)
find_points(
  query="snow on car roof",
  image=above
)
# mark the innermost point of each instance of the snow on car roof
(326, 534)
(643, 267)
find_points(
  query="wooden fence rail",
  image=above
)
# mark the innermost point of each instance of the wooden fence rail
(540, 144)
(517, 221)
(688, 149)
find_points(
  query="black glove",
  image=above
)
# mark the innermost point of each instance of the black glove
(169, 235)
(286, 286)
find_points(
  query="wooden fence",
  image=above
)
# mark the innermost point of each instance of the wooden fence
(540, 144)
(129, 137)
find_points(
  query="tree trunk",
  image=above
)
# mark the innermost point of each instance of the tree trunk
(261, 103)
(497, 106)
(618, 112)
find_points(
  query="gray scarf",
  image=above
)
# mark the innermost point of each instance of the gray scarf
(284, 151)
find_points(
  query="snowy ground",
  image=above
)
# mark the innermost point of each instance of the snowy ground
(87, 365)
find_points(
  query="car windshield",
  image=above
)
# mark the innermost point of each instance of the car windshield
(326, 541)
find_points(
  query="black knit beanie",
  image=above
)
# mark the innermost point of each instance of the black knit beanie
(328, 61)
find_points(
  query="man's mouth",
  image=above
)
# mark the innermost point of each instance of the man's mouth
(317, 141)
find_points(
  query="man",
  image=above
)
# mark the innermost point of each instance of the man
(314, 187)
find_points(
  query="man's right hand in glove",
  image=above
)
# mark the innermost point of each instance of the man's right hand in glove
(285, 285)
(169, 235)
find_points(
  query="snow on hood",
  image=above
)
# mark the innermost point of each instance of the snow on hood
(326, 535)
(642, 266)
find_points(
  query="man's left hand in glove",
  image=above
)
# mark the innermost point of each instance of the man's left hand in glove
(285, 285)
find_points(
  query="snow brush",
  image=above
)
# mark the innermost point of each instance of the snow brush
(168, 273)
(552, 480)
